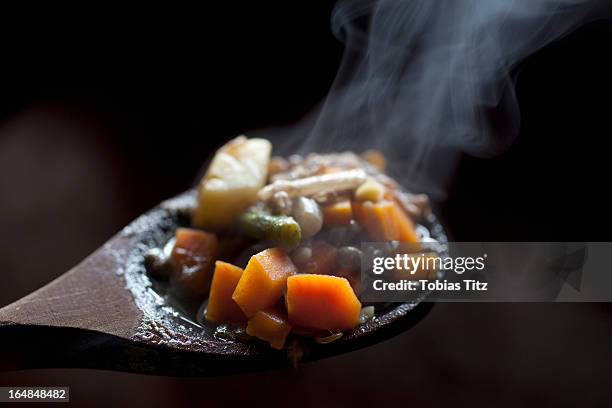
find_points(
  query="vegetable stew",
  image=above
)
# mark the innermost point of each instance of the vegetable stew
(273, 247)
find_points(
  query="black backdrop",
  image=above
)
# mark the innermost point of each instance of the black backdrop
(106, 112)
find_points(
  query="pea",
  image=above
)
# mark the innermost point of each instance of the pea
(301, 255)
(349, 257)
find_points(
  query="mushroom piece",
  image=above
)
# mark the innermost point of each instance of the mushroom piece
(309, 186)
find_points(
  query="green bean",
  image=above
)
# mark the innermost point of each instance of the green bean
(280, 229)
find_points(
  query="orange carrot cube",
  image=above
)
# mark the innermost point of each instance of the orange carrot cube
(385, 221)
(271, 326)
(263, 281)
(322, 302)
(221, 307)
(337, 214)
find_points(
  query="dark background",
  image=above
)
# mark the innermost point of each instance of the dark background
(105, 114)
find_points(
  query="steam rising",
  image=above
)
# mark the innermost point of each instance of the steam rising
(422, 80)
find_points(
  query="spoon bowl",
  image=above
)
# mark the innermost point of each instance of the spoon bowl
(105, 314)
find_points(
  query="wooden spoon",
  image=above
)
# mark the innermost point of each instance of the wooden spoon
(104, 314)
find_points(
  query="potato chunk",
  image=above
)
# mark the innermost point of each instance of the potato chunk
(371, 190)
(263, 281)
(237, 172)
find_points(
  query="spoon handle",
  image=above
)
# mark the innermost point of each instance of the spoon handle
(74, 321)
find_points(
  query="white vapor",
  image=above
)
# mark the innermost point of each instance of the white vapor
(423, 80)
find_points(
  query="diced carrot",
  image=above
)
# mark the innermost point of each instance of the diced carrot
(270, 325)
(404, 227)
(263, 281)
(385, 221)
(322, 302)
(221, 307)
(368, 217)
(192, 260)
(323, 261)
(337, 214)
